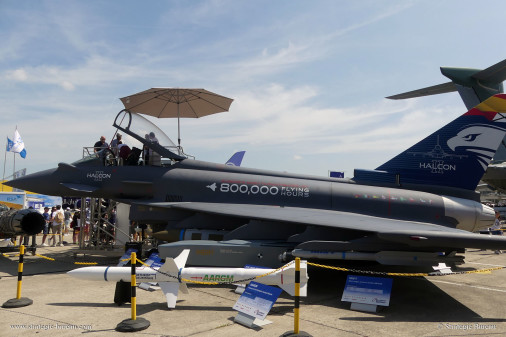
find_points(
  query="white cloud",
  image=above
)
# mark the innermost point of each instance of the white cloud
(67, 86)
(16, 75)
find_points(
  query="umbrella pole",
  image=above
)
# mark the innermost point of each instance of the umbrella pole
(178, 132)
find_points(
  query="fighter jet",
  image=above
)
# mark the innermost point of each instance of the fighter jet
(411, 210)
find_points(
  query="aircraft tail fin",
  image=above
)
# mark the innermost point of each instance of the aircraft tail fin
(236, 159)
(457, 155)
(473, 85)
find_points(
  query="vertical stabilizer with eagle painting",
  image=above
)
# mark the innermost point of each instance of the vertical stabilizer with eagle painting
(457, 155)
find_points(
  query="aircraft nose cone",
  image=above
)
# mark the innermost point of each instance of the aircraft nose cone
(43, 182)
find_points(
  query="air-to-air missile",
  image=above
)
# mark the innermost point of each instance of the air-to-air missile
(173, 276)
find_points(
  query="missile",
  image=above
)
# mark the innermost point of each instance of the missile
(384, 257)
(18, 222)
(173, 276)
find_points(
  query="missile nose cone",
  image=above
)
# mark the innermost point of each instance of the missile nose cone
(88, 273)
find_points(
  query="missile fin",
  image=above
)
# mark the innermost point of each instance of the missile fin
(170, 289)
(169, 267)
(181, 258)
(183, 288)
(303, 289)
(289, 274)
(172, 266)
(288, 288)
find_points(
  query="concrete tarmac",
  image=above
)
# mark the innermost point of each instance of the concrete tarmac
(455, 305)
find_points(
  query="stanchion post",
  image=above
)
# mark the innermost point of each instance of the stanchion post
(296, 318)
(134, 323)
(20, 270)
(19, 301)
(297, 296)
(133, 301)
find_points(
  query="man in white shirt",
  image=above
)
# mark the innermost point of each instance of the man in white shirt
(58, 222)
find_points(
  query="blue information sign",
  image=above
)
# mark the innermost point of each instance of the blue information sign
(257, 300)
(367, 290)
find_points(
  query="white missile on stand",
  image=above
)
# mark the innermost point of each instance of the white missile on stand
(171, 276)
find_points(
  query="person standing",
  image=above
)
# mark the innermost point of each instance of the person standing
(58, 222)
(51, 217)
(76, 220)
(114, 144)
(100, 145)
(45, 231)
(68, 219)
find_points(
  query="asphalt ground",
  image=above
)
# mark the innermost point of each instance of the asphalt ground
(455, 305)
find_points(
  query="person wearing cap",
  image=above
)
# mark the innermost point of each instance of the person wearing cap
(114, 144)
(45, 231)
(68, 218)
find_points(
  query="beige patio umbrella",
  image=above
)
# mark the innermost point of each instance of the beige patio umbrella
(176, 103)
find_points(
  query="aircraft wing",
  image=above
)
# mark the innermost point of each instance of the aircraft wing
(416, 234)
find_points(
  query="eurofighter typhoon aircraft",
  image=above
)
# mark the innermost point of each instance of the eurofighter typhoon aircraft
(418, 208)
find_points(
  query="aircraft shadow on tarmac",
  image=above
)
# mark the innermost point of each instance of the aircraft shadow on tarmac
(85, 304)
(34, 265)
(413, 299)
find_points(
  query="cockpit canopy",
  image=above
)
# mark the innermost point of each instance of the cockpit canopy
(143, 130)
(143, 140)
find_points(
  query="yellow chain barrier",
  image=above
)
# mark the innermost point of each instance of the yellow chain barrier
(45, 257)
(488, 270)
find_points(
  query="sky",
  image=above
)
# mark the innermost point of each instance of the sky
(308, 78)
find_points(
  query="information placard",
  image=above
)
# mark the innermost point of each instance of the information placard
(257, 300)
(367, 290)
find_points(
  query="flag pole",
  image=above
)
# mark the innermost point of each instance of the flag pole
(14, 156)
(5, 162)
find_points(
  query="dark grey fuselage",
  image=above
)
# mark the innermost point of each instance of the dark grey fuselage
(197, 181)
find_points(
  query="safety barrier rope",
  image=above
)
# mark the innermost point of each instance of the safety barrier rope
(436, 273)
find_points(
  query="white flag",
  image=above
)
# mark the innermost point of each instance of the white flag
(17, 145)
